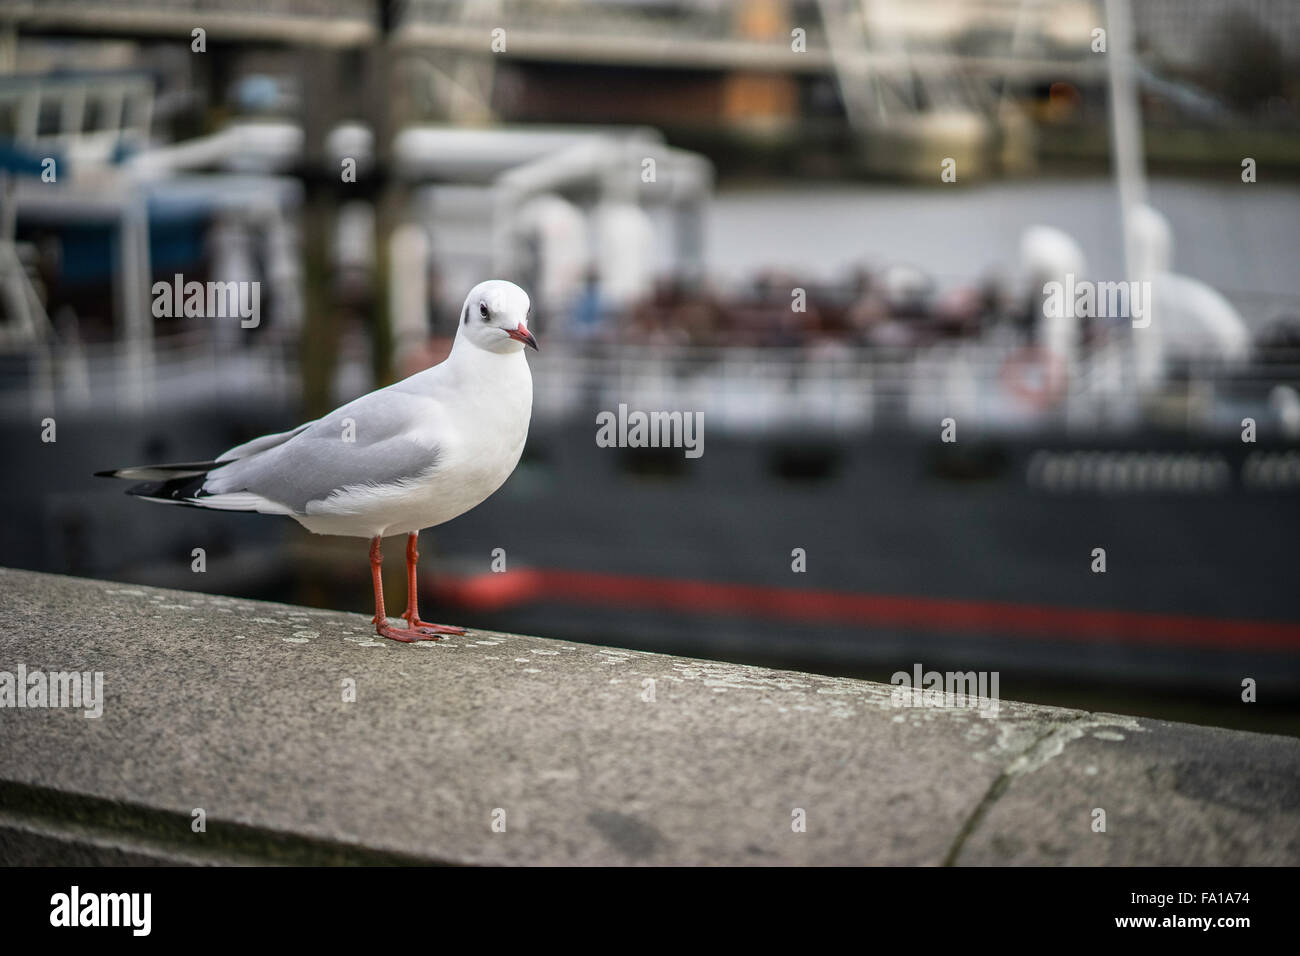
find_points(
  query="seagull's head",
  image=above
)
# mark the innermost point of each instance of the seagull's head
(495, 317)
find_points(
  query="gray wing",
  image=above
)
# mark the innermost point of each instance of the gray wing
(261, 444)
(318, 459)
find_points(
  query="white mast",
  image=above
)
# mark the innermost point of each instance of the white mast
(1130, 175)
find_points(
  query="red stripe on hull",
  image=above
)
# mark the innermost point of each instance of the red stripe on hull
(493, 591)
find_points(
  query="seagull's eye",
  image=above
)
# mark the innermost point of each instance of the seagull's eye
(483, 310)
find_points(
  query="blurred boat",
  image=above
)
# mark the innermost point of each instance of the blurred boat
(824, 428)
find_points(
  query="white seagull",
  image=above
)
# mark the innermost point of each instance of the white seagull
(409, 456)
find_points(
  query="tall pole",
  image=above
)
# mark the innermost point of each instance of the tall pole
(1130, 176)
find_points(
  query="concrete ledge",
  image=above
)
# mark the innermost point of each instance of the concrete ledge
(236, 707)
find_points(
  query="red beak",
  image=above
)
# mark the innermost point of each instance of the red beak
(521, 334)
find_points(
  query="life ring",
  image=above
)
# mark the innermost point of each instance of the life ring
(1035, 363)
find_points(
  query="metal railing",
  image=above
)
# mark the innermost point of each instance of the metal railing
(843, 389)
(181, 370)
(826, 388)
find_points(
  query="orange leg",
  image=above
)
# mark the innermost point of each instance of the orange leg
(412, 614)
(406, 636)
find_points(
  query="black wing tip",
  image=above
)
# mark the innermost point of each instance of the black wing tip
(172, 490)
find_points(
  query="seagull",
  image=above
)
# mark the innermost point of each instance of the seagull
(410, 456)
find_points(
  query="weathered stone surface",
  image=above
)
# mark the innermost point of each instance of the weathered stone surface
(236, 707)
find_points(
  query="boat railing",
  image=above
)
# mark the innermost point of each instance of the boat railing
(834, 389)
(179, 370)
(998, 387)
